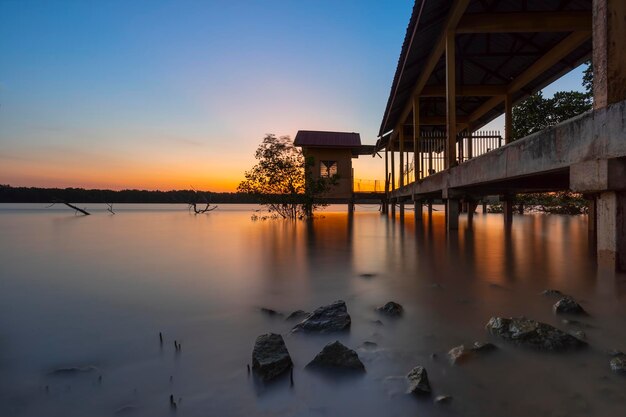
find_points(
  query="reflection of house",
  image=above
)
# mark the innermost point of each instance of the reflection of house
(331, 154)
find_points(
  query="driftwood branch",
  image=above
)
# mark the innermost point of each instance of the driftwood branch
(110, 208)
(193, 205)
(77, 209)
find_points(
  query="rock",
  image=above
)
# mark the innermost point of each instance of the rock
(369, 345)
(552, 293)
(367, 275)
(579, 334)
(297, 315)
(270, 356)
(532, 333)
(73, 370)
(618, 363)
(391, 309)
(614, 352)
(336, 355)
(331, 318)
(568, 305)
(460, 354)
(418, 381)
(270, 312)
(443, 399)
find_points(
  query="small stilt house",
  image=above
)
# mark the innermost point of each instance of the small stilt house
(331, 154)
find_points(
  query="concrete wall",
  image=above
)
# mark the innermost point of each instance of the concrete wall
(343, 189)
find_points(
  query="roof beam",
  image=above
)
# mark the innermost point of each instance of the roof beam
(551, 58)
(465, 90)
(564, 21)
(454, 16)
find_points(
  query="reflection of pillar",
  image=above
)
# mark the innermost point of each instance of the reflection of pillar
(401, 202)
(611, 228)
(471, 208)
(452, 214)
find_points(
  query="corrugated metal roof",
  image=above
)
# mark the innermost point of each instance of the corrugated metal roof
(322, 139)
(481, 58)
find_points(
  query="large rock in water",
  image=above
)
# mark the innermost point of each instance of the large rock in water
(270, 357)
(418, 381)
(568, 305)
(391, 309)
(331, 318)
(532, 333)
(336, 355)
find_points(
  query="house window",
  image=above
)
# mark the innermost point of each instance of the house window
(328, 169)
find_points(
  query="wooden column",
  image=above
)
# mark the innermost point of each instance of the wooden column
(386, 171)
(417, 163)
(401, 139)
(470, 144)
(609, 52)
(393, 165)
(450, 100)
(508, 118)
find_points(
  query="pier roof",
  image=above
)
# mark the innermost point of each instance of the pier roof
(502, 47)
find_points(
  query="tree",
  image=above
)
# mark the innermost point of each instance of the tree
(282, 179)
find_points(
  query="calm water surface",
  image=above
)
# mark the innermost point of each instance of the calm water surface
(97, 290)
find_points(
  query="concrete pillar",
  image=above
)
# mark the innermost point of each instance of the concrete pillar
(611, 228)
(591, 219)
(452, 214)
(351, 207)
(418, 208)
(401, 203)
(609, 52)
(484, 207)
(471, 208)
(507, 209)
(393, 208)
(430, 208)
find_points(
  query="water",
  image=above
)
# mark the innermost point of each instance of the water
(97, 290)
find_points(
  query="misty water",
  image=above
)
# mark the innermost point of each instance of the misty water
(96, 291)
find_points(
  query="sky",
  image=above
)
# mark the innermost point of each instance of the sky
(166, 95)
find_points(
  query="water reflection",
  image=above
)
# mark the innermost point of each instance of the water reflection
(97, 290)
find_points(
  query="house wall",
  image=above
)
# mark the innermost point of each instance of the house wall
(343, 189)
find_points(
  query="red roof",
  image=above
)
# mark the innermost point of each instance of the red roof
(320, 139)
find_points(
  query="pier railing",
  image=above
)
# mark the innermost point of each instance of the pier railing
(432, 146)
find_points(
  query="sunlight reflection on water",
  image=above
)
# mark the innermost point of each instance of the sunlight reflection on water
(96, 290)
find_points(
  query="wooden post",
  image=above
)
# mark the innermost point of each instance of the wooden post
(452, 214)
(417, 165)
(450, 100)
(507, 209)
(393, 165)
(470, 144)
(418, 209)
(508, 118)
(386, 172)
(609, 52)
(401, 139)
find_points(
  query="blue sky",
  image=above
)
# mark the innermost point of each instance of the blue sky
(167, 94)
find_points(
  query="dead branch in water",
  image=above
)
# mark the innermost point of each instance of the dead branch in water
(110, 208)
(77, 209)
(193, 205)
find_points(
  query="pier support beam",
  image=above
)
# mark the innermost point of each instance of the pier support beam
(452, 214)
(401, 203)
(418, 207)
(507, 209)
(611, 229)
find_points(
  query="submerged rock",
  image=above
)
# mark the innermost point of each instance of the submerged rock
(297, 315)
(552, 293)
(418, 381)
(378, 322)
(576, 323)
(391, 309)
(330, 318)
(579, 334)
(367, 275)
(270, 312)
(618, 363)
(532, 333)
(270, 356)
(568, 305)
(369, 345)
(443, 399)
(460, 354)
(73, 370)
(336, 355)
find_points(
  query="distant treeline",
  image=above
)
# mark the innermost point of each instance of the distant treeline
(10, 194)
